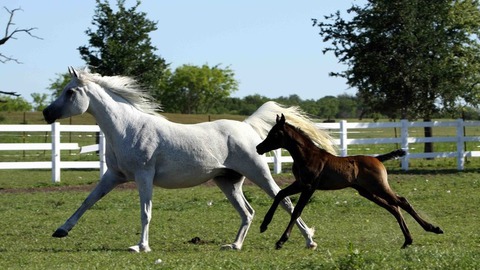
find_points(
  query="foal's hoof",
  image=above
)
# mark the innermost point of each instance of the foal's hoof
(437, 230)
(60, 233)
(406, 244)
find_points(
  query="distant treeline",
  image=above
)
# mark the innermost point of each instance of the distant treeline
(343, 106)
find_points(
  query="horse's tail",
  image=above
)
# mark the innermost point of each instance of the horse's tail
(263, 119)
(394, 154)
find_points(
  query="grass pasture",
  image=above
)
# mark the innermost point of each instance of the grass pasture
(352, 233)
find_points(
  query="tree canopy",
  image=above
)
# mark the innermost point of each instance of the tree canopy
(409, 58)
(121, 45)
(193, 89)
(14, 104)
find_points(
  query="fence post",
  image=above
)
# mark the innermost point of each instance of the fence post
(277, 161)
(101, 153)
(460, 145)
(55, 152)
(404, 138)
(343, 138)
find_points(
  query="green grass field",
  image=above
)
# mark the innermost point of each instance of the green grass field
(351, 232)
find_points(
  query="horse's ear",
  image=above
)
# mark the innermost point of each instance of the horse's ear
(72, 72)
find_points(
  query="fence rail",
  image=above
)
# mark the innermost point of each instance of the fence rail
(343, 129)
(56, 164)
(404, 140)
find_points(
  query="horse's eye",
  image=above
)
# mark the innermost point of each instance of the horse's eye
(70, 91)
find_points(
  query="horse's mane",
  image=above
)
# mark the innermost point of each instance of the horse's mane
(125, 87)
(264, 118)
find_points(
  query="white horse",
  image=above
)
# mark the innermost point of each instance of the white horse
(147, 148)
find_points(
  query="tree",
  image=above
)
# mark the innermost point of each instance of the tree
(192, 89)
(347, 106)
(409, 58)
(14, 104)
(328, 107)
(59, 83)
(39, 101)
(121, 44)
(11, 34)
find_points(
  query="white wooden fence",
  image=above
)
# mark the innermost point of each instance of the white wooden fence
(55, 146)
(404, 140)
(343, 141)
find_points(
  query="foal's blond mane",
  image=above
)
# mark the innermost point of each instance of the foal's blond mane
(264, 118)
(125, 87)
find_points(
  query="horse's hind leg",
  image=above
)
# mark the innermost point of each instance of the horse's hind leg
(232, 188)
(405, 205)
(393, 209)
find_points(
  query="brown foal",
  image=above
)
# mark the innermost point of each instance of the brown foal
(314, 168)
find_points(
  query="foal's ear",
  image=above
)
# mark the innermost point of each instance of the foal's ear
(73, 72)
(281, 120)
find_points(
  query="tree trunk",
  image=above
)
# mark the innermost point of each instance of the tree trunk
(428, 133)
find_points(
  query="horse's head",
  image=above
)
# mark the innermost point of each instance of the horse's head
(72, 101)
(275, 138)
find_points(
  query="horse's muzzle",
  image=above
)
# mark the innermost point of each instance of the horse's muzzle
(48, 115)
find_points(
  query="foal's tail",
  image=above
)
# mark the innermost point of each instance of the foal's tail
(394, 154)
(263, 119)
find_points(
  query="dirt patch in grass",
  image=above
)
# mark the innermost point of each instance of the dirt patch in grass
(282, 180)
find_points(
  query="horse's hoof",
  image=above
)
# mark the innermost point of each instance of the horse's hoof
(312, 246)
(138, 249)
(60, 233)
(437, 230)
(278, 245)
(263, 228)
(229, 247)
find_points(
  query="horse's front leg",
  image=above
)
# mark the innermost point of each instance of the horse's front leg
(294, 188)
(144, 181)
(107, 183)
(297, 212)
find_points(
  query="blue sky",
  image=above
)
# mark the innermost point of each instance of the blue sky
(270, 45)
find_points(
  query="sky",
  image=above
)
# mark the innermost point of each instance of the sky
(270, 45)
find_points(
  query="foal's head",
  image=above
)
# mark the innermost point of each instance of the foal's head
(276, 137)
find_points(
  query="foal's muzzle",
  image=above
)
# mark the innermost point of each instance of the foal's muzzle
(261, 150)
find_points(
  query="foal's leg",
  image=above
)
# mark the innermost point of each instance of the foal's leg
(405, 205)
(302, 201)
(293, 188)
(260, 175)
(390, 206)
(232, 188)
(107, 183)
